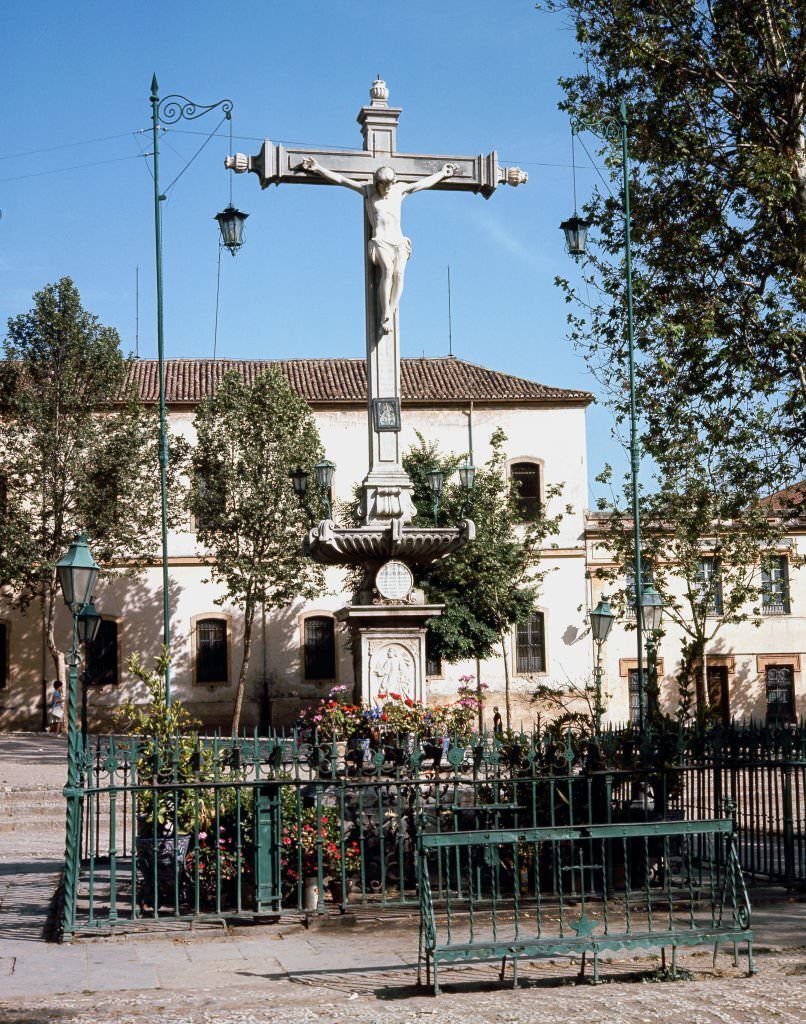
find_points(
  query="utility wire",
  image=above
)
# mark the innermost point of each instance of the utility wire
(74, 167)
(68, 145)
(593, 165)
(198, 151)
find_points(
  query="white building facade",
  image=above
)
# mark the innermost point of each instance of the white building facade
(300, 653)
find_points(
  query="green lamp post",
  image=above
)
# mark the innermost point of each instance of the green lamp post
(651, 611)
(77, 572)
(170, 110)
(601, 620)
(615, 129)
(89, 624)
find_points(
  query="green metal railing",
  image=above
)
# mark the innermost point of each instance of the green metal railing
(197, 826)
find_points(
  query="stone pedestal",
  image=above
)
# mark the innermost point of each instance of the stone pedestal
(389, 648)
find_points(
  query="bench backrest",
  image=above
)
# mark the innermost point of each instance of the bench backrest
(571, 881)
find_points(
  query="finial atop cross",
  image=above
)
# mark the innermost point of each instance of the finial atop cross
(384, 178)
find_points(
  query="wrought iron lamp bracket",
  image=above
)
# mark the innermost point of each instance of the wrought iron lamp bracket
(608, 128)
(175, 108)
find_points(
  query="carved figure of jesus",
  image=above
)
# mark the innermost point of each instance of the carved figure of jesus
(389, 249)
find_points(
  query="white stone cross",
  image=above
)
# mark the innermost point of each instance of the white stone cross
(384, 177)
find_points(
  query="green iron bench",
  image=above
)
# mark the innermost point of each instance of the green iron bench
(523, 894)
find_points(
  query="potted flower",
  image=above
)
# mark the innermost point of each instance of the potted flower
(344, 867)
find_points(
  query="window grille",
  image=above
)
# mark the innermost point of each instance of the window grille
(530, 645)
(102, 655)
(320, 648)
(211, 651)
(526, 478)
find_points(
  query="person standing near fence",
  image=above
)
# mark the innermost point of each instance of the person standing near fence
(56, 711)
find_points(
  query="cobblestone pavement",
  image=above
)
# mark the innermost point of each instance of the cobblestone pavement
(210, 985)
(361, 973)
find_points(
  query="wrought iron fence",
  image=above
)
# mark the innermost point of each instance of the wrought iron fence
(195, 826)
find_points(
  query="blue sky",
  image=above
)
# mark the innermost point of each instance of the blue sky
(77, 200)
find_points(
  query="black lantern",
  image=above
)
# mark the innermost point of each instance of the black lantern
(651, 609)
(88, 624)
(467, 474)
(77, 573)
(601, 619)
(576, 234)
(230, 221)
(299, 478)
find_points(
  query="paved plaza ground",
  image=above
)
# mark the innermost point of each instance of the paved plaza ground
(353, 969)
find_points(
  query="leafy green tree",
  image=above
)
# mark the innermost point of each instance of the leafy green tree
(78, 451)
(716, 94)
(248, 518)
(493, 582)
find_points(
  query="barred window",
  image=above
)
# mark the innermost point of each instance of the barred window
(775, 585)
(780, 694)
(637, 697)
(211, 651)
(709, 585)
(102, 655)
(320, 648)
(526, 479)
(530, 645)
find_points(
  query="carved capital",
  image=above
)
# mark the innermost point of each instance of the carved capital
(513, 176)
(238, 163)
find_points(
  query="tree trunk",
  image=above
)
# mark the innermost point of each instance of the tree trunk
(507, 695)
(248, 617)
(701, 684)
(49, 625)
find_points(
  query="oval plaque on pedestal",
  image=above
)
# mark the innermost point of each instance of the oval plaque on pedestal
(394, 580)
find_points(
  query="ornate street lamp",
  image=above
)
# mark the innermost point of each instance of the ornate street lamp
(170, 110)
(323, 472)
(576, 235)
(77, 572)
(230, 221)
(467, 475)
(89, 622)
(616, 129)
(436, 481)
(651, 612)
(601, 620)
(299, 478)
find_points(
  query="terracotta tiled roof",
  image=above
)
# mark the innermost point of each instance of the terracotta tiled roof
(344, 380)
(790, 498)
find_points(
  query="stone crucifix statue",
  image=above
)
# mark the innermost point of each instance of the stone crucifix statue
(384, 177)
(388, 249)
